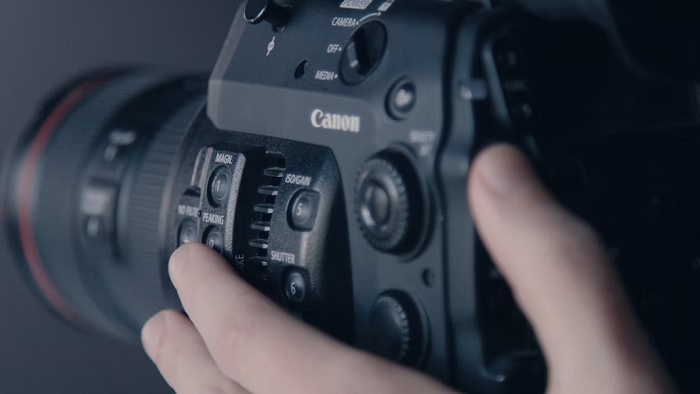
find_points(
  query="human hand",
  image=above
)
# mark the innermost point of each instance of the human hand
(562, 278)
(240, 342)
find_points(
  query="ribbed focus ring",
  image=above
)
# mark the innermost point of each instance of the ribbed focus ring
(145, 201)
(56, 194)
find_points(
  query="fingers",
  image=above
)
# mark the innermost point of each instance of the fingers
(558, 270)
(265, 349)
(178, 351)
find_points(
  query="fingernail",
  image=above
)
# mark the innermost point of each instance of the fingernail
(503, 169)
(152, 332)
(177, 263)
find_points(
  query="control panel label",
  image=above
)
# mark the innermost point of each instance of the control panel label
(344, 22)
(288, 258)
(223, 158)
(339, 122)
(299, 180)
(213, 218)
(334, 48)
(323, 75)
(356, 4)
(188, 210)
(425, 141)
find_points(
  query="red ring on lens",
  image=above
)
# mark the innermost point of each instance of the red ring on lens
(37, 269)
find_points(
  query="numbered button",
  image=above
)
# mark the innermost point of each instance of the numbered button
(303, 210)
(219, 185)
(215, 240)
(295, 286)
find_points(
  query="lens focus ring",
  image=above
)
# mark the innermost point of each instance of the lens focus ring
(57, 180)
(146, 198)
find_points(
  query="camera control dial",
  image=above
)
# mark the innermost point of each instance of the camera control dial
(388, 203)
(396, 328)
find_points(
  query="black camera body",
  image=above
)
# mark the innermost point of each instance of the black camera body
(329, 166)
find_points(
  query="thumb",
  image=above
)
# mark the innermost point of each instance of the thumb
(562, 278)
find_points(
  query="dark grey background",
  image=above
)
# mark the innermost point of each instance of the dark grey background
(42, 44)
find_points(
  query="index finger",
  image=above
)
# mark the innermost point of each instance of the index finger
(265, 349)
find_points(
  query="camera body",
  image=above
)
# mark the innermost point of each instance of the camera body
(434, 84)
(329, 167)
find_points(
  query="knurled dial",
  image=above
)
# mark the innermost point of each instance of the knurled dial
(395, 328)
(388, 203)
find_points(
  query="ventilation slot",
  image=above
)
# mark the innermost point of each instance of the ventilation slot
(264, 208)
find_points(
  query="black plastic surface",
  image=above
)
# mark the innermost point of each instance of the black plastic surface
(346, 203)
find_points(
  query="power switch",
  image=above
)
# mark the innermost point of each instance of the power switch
(363, 52)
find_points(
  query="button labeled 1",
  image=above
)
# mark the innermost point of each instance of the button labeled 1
(219, 186)
(303, 210)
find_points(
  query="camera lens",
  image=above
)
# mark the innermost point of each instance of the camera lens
(85, 192)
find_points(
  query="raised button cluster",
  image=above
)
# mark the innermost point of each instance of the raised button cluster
(205, 209)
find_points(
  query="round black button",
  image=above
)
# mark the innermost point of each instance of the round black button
(187, 232)
(303, 210)
(389, 203)
(295, 287)
(215, 240)
(395, 328)
(401, 99)
(219, 185)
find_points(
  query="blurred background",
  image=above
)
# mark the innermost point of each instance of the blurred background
(43, 44)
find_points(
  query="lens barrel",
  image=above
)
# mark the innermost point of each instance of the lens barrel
(85, 196)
